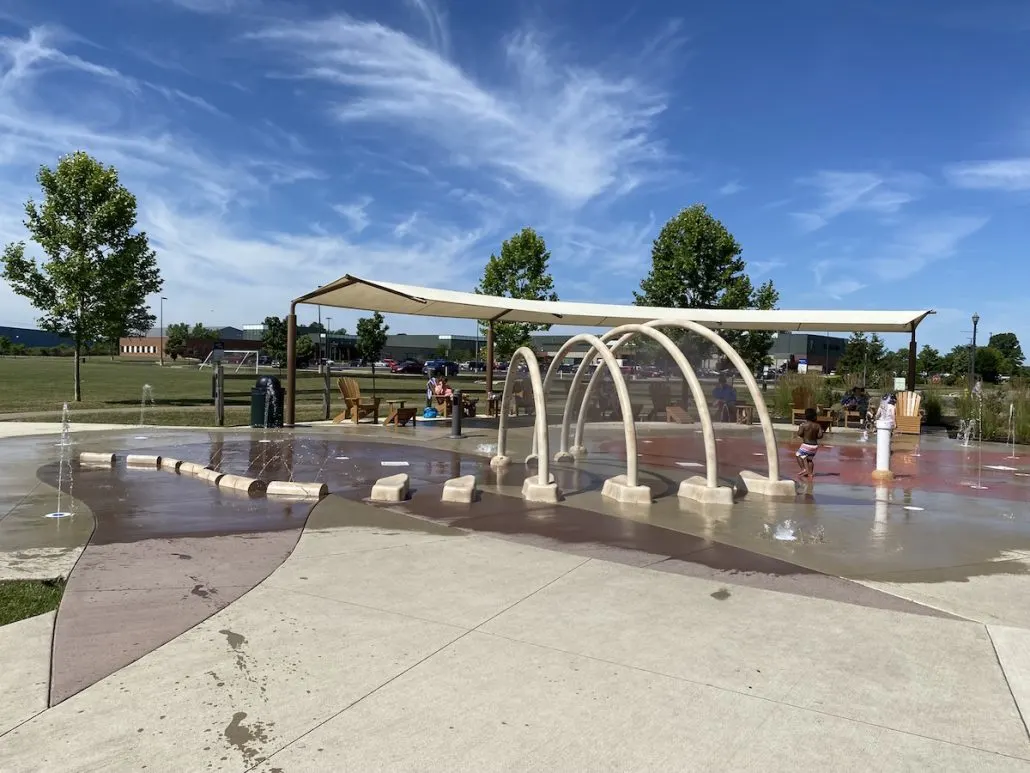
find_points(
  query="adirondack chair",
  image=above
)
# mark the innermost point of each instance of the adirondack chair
(660, 397)
(908, 416)
(803, 398)
(357, 407)
(522, 397)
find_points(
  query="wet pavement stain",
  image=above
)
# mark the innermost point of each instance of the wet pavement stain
(235, 640)
(720, 595)
(243, 737)
(183, 556)
(202, 589)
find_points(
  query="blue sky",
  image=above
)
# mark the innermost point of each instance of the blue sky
(866, 155)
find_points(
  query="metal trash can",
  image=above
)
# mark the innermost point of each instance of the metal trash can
(267, 398)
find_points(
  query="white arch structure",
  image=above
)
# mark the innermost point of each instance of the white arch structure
(628, 332)
(624, 488)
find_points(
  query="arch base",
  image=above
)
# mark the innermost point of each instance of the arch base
(619, 490)
(578, 452)
(500, 461)
(758, 485)
(564, 456)
(698, 490)
(535, 491)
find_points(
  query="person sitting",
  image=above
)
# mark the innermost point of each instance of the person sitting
(725, 397)
(442, 391)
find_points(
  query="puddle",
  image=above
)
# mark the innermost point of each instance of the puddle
(394, 464)
(1000, 467)
(690, 464)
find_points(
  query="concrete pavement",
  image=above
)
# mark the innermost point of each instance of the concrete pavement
(557, 639)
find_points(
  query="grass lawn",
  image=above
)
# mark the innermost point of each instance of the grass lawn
(20, 599)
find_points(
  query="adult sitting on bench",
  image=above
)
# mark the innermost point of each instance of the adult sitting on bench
(725, 397)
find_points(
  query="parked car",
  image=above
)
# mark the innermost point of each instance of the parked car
(448, 368)
(407, 366)
(474, 366)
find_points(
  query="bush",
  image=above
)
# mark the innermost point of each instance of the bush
(932, 406)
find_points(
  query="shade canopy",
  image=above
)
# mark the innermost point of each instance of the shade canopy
(351, 292)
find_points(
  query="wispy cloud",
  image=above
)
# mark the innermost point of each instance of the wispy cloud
(910, 250)
(355, 214)
(436, 22)
(572, 131)
(196, 202)
(731, 188)
(757, 269)
(1010, 174)
(843, 192)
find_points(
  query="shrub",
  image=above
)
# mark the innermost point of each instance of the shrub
(932, 406)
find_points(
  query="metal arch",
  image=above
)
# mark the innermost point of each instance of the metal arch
(628, 425)
(540, 420)
(704, 415)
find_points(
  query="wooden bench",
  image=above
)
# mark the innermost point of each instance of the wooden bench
(676, 415)
(745, 414)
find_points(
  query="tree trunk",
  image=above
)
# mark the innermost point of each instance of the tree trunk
(78, 374)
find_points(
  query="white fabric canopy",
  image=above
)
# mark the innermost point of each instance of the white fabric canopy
(351, 292)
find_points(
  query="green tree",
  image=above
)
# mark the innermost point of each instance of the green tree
(696, 264)
(929, 360)
(854, 359)
(371, 341)
(98, 271)
(176, 337)
(895, 363)
(1007, 344)
(520, 271)
(305, 350)
(273, 339)
(203, 333)
(5, 346)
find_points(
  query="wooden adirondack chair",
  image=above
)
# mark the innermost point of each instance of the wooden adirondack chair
(660, 397)
(357, 407)
(803, 398)
(908, 417)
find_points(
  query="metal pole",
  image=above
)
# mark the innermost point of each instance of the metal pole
(161, 338)
(329, 338)
(972, 353)
(326, 394)
(291, 366)
(911, 380)
(455, 415)
(489, 359)
(220, 393)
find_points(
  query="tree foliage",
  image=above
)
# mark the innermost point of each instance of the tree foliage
(176, 338)
(202, 332)
(98, 271)
(371, 340)
(5, 346)
(273, 339)
(520, 271)
(1007, 345)
(305, 349)
(696, 264)
(928, 360)
(867, 357)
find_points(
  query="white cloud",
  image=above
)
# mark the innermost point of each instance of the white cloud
(760, 268)
(572, 131)
(355, 213)
(910, 250)
(1011, 174)
(843, 192)
(436, 22)
(731, 188)
(220, 263)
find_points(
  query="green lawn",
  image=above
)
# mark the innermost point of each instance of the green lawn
(20, 599)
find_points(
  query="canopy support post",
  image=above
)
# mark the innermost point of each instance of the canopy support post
(910, 381)
(291, 367)
(489, 358)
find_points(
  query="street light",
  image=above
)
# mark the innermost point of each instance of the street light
(161, 339)
(972, 353)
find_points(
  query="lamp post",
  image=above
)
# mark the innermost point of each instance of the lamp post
(972, 353)
(161, 341)
(328, 338)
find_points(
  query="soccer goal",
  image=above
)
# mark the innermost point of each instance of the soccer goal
(239, 358)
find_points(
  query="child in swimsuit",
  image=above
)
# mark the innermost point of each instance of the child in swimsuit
(810, 431)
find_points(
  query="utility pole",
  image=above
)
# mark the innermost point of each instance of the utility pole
(972, 353)
(162, 338)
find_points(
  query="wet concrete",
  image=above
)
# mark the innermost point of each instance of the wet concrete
(169, 550)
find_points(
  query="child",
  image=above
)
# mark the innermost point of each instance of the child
(810, 431)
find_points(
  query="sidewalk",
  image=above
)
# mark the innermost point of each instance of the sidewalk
(388, 643)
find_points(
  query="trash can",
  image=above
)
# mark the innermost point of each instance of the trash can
(266, 403)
